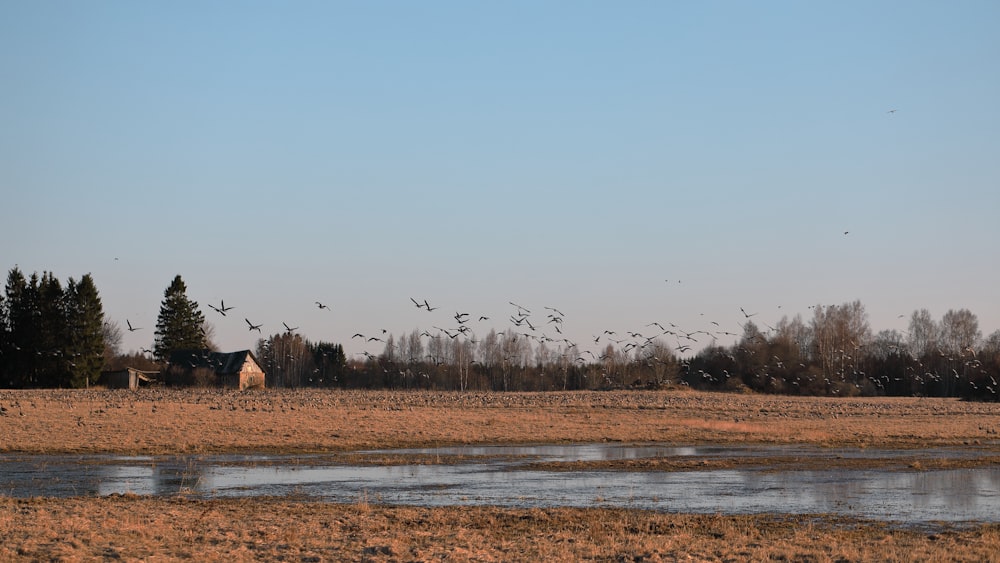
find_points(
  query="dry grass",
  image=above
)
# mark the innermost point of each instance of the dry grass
(190, 421)
(156, 529)
(176, 422)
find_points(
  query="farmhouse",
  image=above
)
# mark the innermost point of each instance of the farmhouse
(238, 370)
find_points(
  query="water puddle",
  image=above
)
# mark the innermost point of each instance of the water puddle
(497, 476)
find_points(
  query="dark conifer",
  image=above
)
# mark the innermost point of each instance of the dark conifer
(20, 324)
(180, 324)
(85, 319)
(52, 335)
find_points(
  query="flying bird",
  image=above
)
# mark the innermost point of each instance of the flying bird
(251, 325)
(289, 328)
(321, 306)
(132, 328)
(221, 309)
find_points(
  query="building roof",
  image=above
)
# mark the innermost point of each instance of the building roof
(222, 363)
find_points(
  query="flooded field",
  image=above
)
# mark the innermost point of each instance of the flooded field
(508, 476)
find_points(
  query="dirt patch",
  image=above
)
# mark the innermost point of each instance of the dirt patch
(141, 528)
(323, 421)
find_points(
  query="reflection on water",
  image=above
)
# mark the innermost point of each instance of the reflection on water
(490, 476)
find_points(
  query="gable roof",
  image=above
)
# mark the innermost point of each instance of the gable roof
(222, 363)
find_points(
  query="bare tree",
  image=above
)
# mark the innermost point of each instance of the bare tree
(662, 361)
(923, 333)
(208, 330)
(959, 332)
(412, 347)
(112, 341)
(840, 334)
(286, 358)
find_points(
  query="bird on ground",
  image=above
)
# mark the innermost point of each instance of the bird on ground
(251, 325)
(132, 328)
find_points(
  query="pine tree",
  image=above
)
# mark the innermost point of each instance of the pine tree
(51, 365)
(179, 326)
(4, 342)
(19, 323)
(85, 319)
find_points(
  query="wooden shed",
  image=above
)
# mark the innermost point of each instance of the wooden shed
(128, 378)
(237, 370)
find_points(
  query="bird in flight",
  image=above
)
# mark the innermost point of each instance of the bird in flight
(891, 111)
(745, 314)
(321, 306)
(290, 328)
(221, 309)
(132, 328)
(251, 325)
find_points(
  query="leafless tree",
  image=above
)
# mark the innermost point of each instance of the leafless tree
(959, 332)
(286, 358)
(840, 334)
(112, 333)
(923, 333)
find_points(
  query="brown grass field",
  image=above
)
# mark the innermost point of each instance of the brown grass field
(338, 422)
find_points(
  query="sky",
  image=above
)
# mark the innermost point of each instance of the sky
(622, 162)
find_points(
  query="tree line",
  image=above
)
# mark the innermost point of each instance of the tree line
(53, 335)
(834, 353)
(50, 335)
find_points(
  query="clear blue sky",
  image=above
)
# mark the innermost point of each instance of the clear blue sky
(565, 154)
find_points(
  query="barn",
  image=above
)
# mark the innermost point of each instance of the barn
(234, 370)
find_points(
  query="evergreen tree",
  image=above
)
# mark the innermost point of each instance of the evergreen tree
(85, 319)
(179, 326)
(4, 342)
(330, 362)
(20, 326)
(51, 365)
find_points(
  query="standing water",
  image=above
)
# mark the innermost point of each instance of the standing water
(499, 476)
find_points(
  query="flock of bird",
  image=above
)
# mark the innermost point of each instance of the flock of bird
(523, 324)
(546, 327)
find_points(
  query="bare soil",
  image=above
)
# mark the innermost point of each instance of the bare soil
(156, 529)
(337, 422)
(311, 421)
